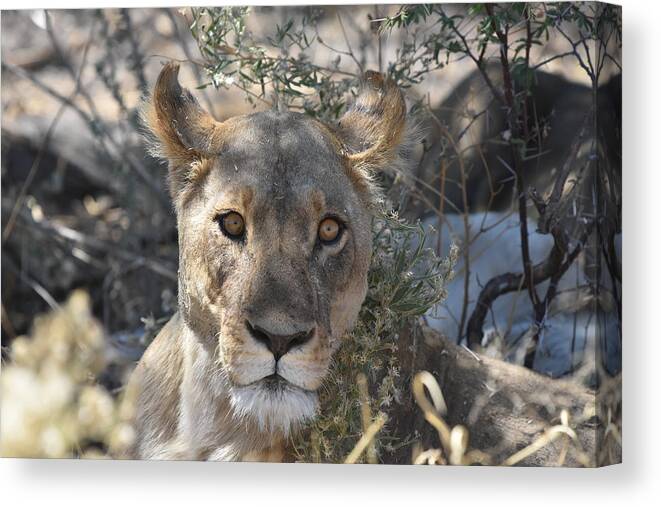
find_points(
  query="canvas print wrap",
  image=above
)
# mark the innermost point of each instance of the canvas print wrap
(322, 234)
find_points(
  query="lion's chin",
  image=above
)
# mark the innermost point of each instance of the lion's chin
(274, 404)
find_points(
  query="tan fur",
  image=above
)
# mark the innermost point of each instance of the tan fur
(201, 388)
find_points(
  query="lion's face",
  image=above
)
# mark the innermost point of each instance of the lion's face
(275, 248)
(275, 242)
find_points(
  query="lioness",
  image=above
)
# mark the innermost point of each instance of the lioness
(274, 223)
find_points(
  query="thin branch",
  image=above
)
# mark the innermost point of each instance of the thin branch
(550, 59)
(479, 64)
(516, 135)
(548, 209)
(542, 308)
(504, 284)
(346, 41)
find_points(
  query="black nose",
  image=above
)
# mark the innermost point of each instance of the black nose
(278, 344)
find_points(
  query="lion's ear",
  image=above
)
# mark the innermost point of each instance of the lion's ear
(182, 132)
(374, 130)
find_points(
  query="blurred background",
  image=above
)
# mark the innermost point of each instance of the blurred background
(520, 169)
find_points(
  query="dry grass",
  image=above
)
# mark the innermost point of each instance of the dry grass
(52, 404)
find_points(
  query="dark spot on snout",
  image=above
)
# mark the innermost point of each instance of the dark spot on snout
(279, 345)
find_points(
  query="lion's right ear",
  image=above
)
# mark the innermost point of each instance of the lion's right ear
(375, 132)
(182, 132)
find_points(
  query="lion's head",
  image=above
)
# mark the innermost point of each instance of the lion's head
(273, 214)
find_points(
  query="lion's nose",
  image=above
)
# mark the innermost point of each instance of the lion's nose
(279, 344)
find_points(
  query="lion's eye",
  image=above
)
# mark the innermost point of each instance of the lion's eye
(232, 225)
(329, 230)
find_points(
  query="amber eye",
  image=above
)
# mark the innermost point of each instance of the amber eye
(232, 225)
(329, 230)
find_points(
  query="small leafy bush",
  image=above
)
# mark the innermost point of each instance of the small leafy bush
(405, 280)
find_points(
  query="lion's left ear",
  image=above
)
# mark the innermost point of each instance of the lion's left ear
(374, 130)
(181, 132)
